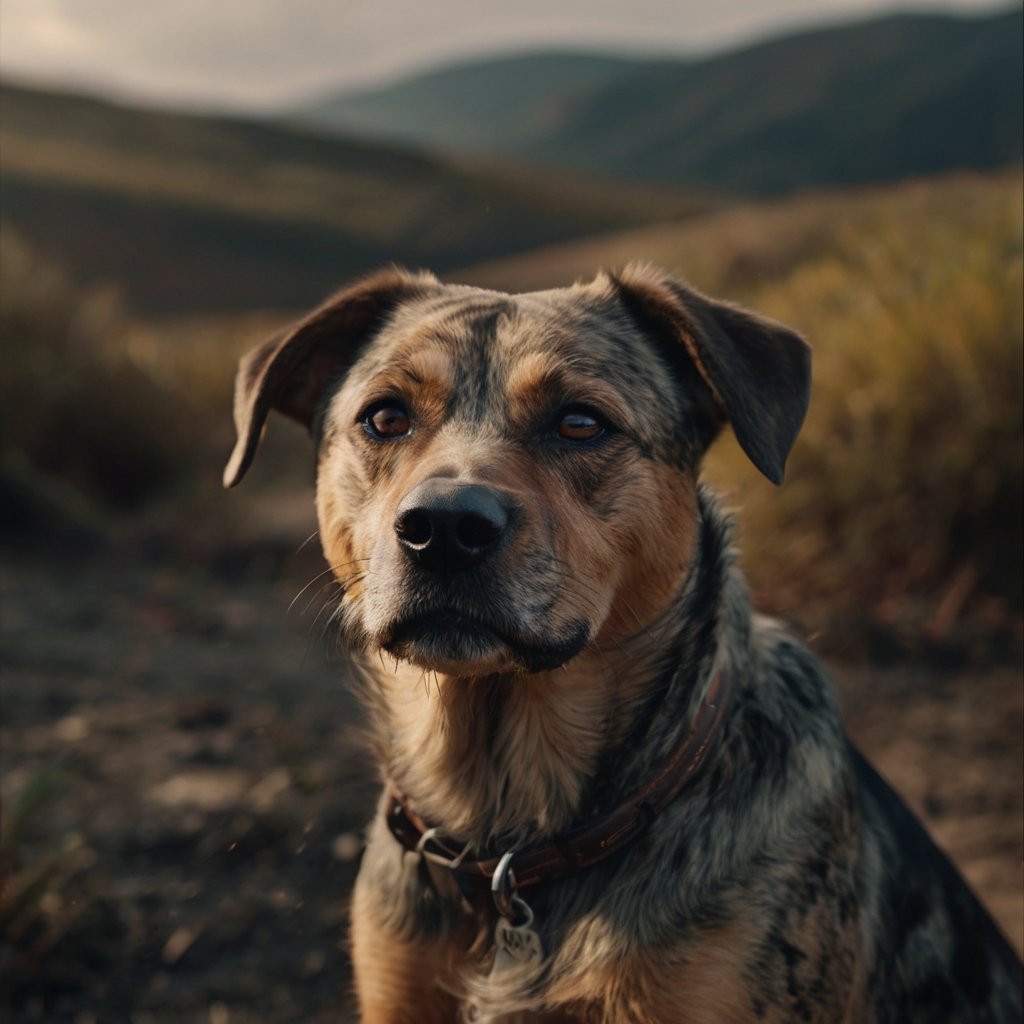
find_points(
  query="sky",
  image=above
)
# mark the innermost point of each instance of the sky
(262, 54)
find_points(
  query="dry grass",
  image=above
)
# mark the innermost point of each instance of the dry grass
(903, 497)
(84, 427)
(902, 502)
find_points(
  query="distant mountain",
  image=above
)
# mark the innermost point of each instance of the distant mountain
(187, 213)
(873, 101)
(500, 105)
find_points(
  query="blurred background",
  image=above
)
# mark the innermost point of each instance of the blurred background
(183, 780)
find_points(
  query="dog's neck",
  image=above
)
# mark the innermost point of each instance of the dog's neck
(519, 757)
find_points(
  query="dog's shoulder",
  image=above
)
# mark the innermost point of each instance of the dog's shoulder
(791, 720)
(939, 956)
(934, 952)
(799, 680)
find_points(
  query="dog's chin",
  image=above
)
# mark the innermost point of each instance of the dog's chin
(458, 645)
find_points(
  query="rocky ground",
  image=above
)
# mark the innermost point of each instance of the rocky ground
(185, 785)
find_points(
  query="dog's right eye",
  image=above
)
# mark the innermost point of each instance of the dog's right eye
(580, 424)
(387, 420)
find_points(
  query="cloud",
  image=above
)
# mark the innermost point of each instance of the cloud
(260, 53)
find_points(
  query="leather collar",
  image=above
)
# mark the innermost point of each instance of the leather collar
(588, 843)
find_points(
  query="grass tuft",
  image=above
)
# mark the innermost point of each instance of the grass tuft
(84, 427)
(903, 497)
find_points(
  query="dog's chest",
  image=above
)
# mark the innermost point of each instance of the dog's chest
(693, 983)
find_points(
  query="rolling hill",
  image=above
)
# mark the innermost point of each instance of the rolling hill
(187, 213)
(873, 101)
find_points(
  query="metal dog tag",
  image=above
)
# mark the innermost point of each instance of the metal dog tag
(517, 947)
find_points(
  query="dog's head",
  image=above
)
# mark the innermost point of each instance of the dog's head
(504, 479)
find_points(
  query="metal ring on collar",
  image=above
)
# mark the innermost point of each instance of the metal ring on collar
(424, 839)
(439, 858)
(503, 886)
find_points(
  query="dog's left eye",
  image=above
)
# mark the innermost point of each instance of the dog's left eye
(580, 425)
(387, 420)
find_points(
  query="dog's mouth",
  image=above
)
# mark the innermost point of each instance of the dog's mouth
(458, 644)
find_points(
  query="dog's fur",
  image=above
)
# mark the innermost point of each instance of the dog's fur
(546, 681)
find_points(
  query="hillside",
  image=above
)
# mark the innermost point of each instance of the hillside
(872, 101)
(187, 213)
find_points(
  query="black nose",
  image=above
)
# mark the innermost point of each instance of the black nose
(446, 526)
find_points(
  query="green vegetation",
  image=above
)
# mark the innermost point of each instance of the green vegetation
(853, 103)
(902, 504)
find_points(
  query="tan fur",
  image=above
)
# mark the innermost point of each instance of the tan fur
(397, 979)
(548, 734)
(552, 724)
(701, 984)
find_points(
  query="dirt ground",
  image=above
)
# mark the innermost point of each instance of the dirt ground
(198, 785)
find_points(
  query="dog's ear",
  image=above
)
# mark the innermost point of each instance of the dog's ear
(759, 371)
(292, 370)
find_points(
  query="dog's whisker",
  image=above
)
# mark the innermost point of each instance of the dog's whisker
(340, 588)
(629, 608)
(312, 633)
(319, 594)
(335, 601)
(313, 626)
(337, 604)
(314, 534)
(320, 575)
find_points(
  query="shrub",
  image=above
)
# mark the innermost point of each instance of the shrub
(82, 426)
(903, 497)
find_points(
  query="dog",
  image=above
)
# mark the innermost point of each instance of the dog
(612, 792)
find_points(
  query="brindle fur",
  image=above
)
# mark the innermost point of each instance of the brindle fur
(787, 883)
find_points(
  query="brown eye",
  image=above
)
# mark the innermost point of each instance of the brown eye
(387, 420)
(579, 425)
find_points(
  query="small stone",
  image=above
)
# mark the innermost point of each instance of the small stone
(177, 945)
(219, 1013)
(71, 729)
(347, 846)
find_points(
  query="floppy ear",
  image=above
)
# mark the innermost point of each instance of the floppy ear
(759, 371)
(291, 371)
